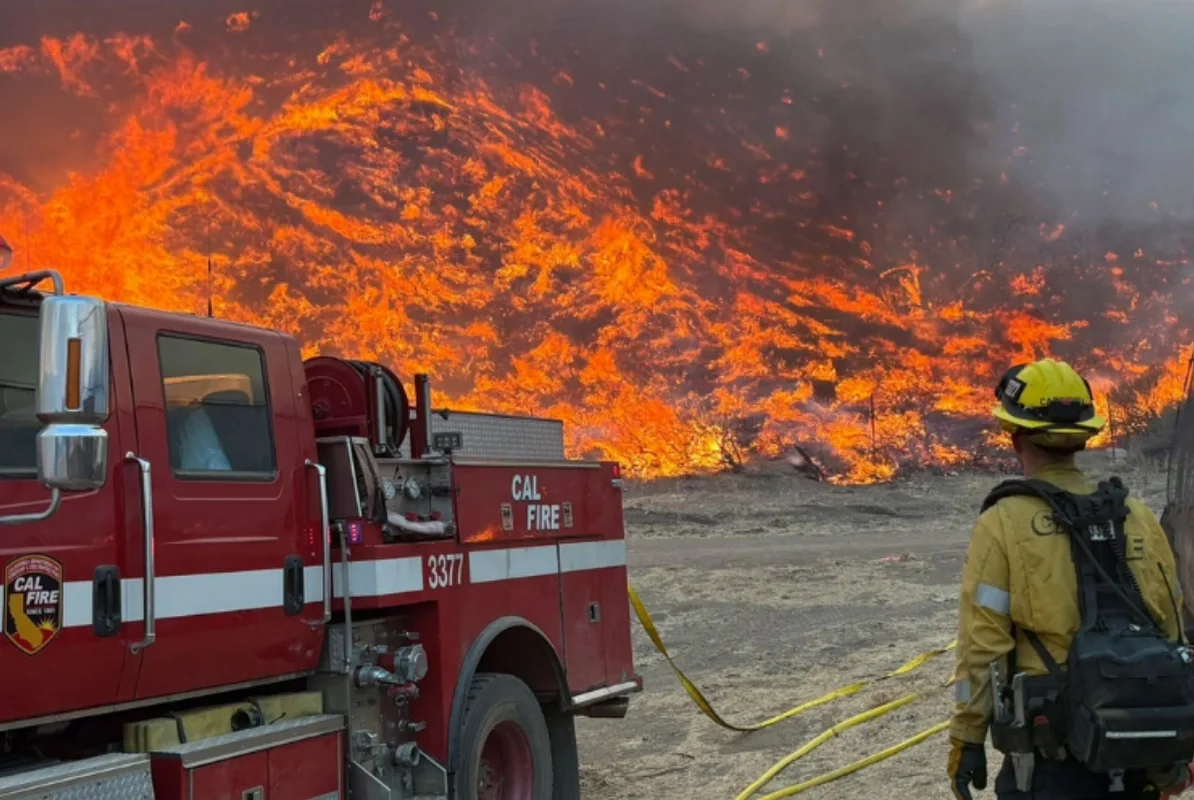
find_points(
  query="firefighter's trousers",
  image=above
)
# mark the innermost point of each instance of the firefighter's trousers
(1068, 780)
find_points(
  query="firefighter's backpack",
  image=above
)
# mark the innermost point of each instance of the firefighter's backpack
(1126, 698)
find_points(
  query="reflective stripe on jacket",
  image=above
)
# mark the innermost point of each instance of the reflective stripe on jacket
(1019, 575)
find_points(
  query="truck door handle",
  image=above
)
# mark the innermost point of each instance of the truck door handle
(147, 523)
(105, 591)
(325, 534)
(293, 591)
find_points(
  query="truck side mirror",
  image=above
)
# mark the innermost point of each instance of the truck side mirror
(73, 393)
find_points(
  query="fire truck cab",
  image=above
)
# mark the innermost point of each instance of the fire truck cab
(227, 573)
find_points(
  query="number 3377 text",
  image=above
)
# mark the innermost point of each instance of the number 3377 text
(445, 571)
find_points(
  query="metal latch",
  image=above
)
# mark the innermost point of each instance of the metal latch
(256, 793)
(105, 602)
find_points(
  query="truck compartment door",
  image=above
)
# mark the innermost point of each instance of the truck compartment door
(582, 604)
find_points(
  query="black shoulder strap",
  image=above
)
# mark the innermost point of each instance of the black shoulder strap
(1061, 501)
(1009, 488)
(1045, 656)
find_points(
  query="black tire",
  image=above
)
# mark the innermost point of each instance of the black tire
(493, 700)
(565, 760)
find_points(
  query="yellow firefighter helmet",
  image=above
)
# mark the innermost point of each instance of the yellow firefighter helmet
(1049, 403)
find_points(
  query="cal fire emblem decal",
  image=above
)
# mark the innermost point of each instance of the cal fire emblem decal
(32, 602)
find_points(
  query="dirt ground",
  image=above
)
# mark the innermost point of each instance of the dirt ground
(770, 590)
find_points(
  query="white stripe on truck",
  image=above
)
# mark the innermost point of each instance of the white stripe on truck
(250, 590)
(369, 578)
(582, 556)
(507, 564)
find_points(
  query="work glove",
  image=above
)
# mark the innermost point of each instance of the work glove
(1185, 782)
(967, 767)
(1167, 780)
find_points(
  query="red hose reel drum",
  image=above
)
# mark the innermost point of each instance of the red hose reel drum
(344, 398)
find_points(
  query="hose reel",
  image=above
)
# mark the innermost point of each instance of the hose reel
(359, 399)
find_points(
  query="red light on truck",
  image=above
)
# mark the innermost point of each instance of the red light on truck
(617, 471)
(356, 532)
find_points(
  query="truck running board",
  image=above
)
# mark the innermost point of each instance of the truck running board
(121, 776)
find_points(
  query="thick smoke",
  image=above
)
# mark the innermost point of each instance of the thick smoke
(1098, 94)
(1087, 104)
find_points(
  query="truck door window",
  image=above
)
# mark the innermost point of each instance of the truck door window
(19, 424)
(217, 409)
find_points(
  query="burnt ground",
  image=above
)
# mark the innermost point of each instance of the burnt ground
(770, 590)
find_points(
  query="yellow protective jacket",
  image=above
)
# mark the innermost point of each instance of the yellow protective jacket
(1019, 575)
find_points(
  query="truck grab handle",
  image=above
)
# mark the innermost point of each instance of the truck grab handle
(147, 522)
(325, 534)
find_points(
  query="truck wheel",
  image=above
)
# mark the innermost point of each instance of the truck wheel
(505, 749)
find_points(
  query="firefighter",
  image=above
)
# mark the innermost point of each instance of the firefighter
(1019, 607)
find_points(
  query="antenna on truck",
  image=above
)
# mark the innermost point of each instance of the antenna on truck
(210, 309)
(5, 254)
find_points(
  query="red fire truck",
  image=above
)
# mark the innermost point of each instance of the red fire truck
(230, 573)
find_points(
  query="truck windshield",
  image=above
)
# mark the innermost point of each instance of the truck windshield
(18, 383)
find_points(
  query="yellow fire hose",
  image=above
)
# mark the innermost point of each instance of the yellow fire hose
(849, 769)
(824, 737)
(707, 708)
(862, 763)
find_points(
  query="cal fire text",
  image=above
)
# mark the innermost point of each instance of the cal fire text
(35, 595)
(540, 516)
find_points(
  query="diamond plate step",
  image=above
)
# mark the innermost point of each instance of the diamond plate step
(120, 776)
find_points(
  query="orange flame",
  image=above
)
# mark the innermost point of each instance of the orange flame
(367, 197)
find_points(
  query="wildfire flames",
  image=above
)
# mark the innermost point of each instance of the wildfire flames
(689, 252)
